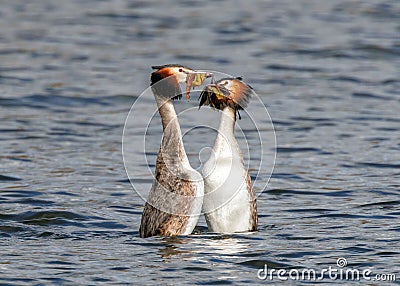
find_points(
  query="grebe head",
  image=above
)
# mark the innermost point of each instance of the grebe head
(232, 92)
(174, 75)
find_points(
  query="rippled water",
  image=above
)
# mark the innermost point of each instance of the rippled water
(328, 71)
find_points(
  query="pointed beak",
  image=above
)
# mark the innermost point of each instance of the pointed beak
(194, 79)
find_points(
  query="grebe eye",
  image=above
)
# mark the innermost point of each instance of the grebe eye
(226, 82)
(180, 70)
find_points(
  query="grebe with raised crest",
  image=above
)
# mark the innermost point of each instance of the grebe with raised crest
(229, 202)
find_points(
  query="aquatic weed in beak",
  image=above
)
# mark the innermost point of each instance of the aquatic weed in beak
(194, 79)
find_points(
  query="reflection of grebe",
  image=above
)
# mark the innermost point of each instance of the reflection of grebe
(175, 198)
(229, 202)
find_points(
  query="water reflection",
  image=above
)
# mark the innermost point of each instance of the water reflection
(171, 246)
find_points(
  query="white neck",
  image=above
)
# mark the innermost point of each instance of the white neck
(225, 143)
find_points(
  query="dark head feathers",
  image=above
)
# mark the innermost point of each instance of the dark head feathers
(230, 92)
(169, 66)
(169, 87)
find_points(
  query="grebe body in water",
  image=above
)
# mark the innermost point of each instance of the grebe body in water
(176, 196)
(229, 202)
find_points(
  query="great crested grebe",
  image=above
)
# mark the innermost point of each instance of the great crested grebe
(176, 196)
(229, 201)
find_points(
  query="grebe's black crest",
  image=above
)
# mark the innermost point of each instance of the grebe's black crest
(232, 92)
(170, 66)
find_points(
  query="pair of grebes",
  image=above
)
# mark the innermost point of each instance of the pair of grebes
(223, 190)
